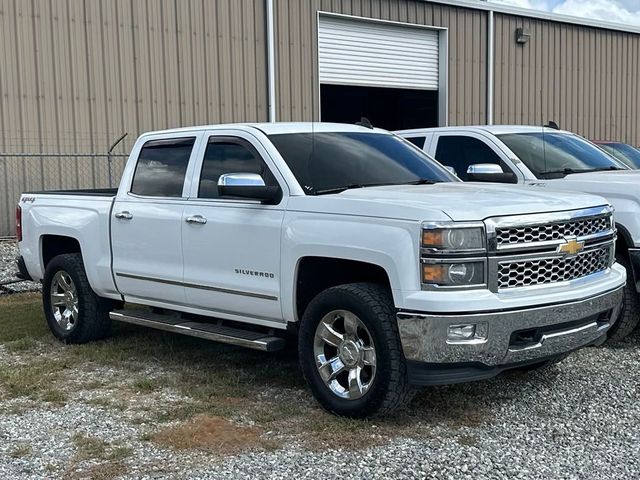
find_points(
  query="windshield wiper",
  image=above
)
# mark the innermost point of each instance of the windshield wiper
(565, 171)
(350, 187)
(422, 181)
(568, 171)
(604, 169)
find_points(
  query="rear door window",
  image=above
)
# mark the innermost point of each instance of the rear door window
(161, 167)
(459, 152)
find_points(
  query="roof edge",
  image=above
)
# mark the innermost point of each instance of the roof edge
(538, 14)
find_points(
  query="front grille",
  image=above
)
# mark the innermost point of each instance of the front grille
(524, 273)
(553, 231)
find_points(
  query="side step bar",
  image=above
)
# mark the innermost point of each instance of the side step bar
(209, 331)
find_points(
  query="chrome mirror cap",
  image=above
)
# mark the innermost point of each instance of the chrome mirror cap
(484, 168)
(241, 180)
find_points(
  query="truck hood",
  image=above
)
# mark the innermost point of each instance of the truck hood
(613, 184)
(458, 201)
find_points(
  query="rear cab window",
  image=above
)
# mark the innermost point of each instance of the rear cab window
(161, 167)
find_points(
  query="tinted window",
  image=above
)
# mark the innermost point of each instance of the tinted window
(229, 157)
(333, 160)
(161, 167)
(460, 152)
(557, 154)
(627, 154)
(417, 141)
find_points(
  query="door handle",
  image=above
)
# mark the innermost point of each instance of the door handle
(123, 215)
(198, 219)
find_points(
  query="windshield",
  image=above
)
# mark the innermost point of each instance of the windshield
(329, 162)
(551, 154)
(625, 153)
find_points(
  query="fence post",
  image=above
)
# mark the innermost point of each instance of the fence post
(109, 153)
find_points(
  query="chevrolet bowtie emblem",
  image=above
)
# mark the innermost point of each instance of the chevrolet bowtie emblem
(571, 247)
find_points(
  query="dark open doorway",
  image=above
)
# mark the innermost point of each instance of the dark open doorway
(389, 108)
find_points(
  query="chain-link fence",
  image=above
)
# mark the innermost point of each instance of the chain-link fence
(23, 172)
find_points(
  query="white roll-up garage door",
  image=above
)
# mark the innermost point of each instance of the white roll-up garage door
(358, 52)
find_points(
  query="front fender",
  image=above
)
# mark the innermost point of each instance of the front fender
(390, 244)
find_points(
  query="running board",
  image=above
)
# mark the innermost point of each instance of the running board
(209, 331)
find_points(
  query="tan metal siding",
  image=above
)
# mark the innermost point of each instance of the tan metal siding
(297, 67)
(584, 78)
(76, 74)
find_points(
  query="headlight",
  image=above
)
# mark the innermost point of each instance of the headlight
(454, 255)
(453, 274)
(453, 239)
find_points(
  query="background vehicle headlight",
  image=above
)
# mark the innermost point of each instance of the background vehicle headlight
(453, 239)
(453, 274)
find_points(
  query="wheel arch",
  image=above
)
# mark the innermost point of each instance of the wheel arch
(53, 245)
(315, 274)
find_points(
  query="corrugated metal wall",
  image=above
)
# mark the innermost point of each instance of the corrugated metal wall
(586, 79)
(296, 51)
(76, 74)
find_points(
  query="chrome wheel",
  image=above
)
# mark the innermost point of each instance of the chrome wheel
(345, 354)
(64, 300)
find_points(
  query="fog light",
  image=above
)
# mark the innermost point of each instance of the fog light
(461, 332)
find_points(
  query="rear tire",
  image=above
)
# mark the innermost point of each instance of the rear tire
(630, 314)
(74, 313)
(364, 372)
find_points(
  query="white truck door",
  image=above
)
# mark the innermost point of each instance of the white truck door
(147, 220)
(231, 247)
(460, 150)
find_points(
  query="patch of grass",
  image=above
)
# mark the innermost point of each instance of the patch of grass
(94, 448)
(21, 345)
(54, 396)
(21, 318)
(102, 471)
(145, 385)
(32, 379)
(21, 451)
(105, 402)
(468, 440)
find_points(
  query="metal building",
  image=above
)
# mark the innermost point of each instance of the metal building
(76, 74)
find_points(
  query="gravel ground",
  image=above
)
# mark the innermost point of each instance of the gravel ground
(8, 254)
(576, 420)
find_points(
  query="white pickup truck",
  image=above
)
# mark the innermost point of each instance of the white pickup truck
(547, 157)
(391, 271)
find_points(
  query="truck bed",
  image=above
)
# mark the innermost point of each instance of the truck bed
(94, 192)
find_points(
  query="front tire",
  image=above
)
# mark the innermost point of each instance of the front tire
(350, 351)
(74, 313)
(630, 314)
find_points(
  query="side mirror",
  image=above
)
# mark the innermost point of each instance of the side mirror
(489, 172)
(247, 185)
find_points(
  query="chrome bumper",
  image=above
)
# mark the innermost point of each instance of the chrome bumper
(509, 337)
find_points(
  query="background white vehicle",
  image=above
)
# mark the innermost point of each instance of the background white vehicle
(392, 271)
(547, 157)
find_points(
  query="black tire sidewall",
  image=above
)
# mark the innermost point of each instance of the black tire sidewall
(340, 299)
(73, 266)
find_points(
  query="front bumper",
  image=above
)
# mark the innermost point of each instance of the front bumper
(634, 256)
(506, 339)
